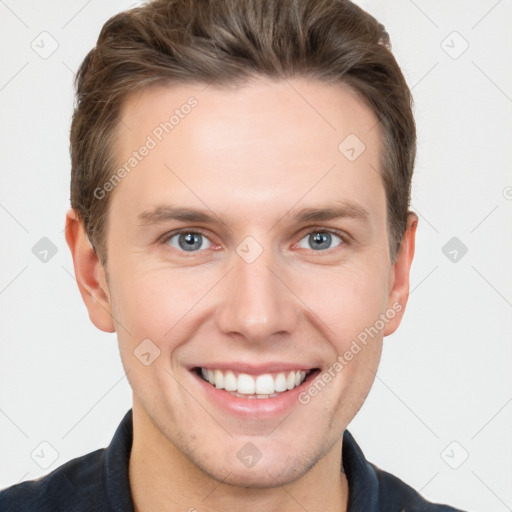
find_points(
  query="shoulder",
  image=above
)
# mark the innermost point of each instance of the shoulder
(73, 486)
(395, 494)
(373, 489)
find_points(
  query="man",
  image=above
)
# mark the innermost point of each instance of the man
(241, 176)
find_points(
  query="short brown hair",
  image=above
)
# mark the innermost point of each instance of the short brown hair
(225, 42)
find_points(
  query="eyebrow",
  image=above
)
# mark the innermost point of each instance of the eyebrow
(162, 214)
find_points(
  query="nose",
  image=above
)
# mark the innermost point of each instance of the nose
(258, 304)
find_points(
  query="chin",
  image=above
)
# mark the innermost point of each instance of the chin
(261, 476)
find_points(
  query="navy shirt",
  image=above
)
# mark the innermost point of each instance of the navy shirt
(99, 482)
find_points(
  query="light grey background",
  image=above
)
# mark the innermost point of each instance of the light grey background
(443, 389)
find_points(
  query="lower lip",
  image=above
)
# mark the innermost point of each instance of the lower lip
(255, 407)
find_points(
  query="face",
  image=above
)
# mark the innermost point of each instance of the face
(248, 245)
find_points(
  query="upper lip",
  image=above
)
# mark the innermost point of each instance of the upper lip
(254, 369)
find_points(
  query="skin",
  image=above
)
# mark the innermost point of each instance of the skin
(254, 154)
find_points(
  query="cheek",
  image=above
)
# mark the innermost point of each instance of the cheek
(347, 300)
(149, 309)
(160, 304)
(146, 303)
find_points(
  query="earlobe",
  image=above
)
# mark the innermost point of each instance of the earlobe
(399, 292)
(89, 273)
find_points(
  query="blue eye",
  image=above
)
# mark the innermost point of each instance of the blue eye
(188, 241)
(193, 241)
(320, 240)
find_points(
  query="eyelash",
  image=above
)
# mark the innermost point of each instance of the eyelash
(341, 234)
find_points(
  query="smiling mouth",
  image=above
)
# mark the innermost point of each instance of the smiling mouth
(266, 385)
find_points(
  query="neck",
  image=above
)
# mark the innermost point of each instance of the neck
(162, 478)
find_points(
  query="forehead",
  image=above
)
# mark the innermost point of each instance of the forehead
(265, 143)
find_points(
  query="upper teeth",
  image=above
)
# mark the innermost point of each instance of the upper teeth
(246, 384)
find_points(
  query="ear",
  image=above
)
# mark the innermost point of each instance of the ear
(399, 278)
(89, 273)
